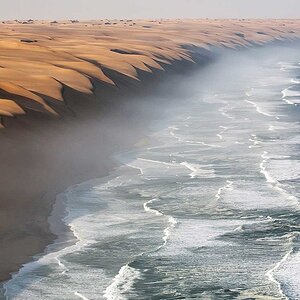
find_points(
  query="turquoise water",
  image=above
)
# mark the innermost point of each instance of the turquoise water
(208, 208)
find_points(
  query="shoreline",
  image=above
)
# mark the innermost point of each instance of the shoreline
(106, 166)
(83, 171)
(60, 267)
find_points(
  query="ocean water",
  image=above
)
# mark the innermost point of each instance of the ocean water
(207, 208)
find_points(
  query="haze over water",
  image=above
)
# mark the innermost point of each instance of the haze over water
(207, 207)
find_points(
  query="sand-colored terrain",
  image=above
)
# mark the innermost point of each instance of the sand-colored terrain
(38, 59)
(56, 72)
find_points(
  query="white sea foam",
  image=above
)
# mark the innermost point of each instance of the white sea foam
(290, 93)
(46, 259)
(224, 111)
(80, 296)
(173, 127)
(290, 96)
(259, 110)
(195, 233)
(292, 102)
(271, 128)
(151, 168)
(192, 142)
(172, 133)
(288, 274)
(221, 189)
(263, 168)
(224, 129)
(296, 81)
(275, 183)
(136, 167)
(50, 258)
(198, 171)
(287, 66)
(167, 232)
(271, 274)
(245, 197)
(156, 162)
(148, 209)
(122, 284)
(171, 221)
(254, 140)
(284, 168)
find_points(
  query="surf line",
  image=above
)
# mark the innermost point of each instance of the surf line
(286, 93)
(221, 189)
(276, 185)
(220, 134)
(224, 111)
(270, 273)
(259, 110)
(197, 171)
(127, 275)
(181, 140)
(121, 283)
(226, 187)
(254, 140)
(124, 280)
(81, 296)
(48, 254)
(171, 220)
(273, 182)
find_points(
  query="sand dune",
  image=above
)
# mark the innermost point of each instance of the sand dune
(39, 58)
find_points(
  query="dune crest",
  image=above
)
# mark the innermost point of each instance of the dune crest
(38, 58)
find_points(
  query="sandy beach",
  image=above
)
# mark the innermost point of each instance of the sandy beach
(64, 84)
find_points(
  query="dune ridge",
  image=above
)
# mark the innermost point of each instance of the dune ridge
(56, 73)
(37, 59)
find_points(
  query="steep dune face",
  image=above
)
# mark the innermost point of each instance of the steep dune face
(38, 59)
(54, 76)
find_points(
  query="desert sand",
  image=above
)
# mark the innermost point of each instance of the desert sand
(59, 79)
(39, 59)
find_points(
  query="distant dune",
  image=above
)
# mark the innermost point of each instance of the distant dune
(56, 72)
